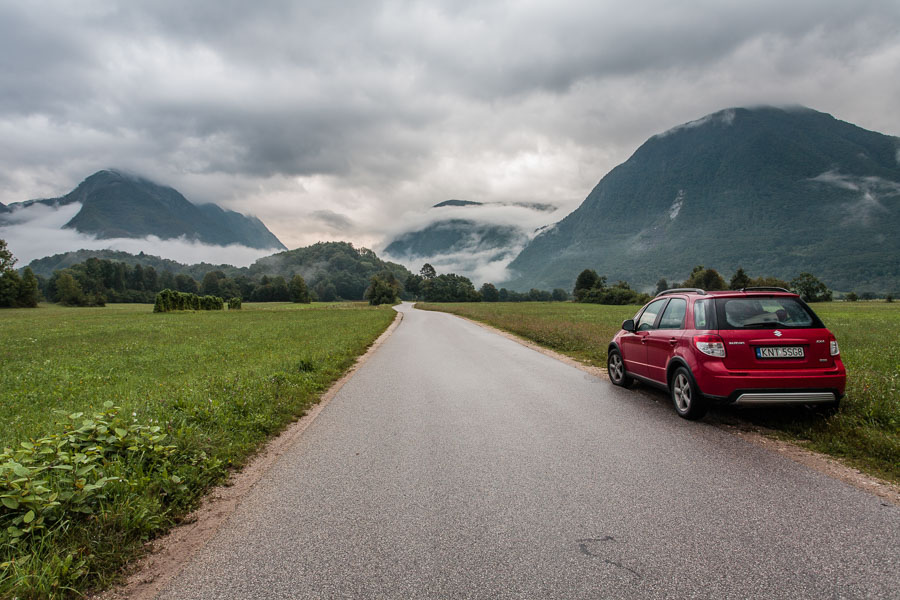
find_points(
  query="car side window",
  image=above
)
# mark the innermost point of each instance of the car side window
(673, 316)
(701, 314)
(648, 317)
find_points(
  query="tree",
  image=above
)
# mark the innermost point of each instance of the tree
(7, 260)
(280, 291)
(810, 288)
(382, 290)
(427, 272)
(662, 285)
(210, 284)
(28, 290)
(585, 281)
(450, 288)
(739, 280)
(299, 291)
(413, 285)
(68, 292)
(705, 279)
(326, 291)
(851, 297)
(16, 291)
(560, 295)
(186, 283)
(489, 293)
(9, 288)
(769, 282)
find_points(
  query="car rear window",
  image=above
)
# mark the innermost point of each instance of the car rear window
(764, 312)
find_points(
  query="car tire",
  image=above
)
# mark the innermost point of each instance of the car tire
(689, 402)
(616, 368)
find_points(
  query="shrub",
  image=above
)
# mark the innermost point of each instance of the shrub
(234, 304)
(48, 483)
(169, 300)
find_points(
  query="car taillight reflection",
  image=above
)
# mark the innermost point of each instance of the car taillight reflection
(711, 345)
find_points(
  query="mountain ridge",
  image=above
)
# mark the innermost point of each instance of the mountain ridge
(117, 205)
(769, 189)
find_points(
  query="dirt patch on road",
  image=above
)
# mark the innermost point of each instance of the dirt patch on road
(168, 555)
(746, 431)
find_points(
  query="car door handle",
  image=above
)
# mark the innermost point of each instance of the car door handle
(643, 339)
(673, 341)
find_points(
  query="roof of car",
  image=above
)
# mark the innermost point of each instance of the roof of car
(743, 291)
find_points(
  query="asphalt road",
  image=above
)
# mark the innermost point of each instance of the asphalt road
(459, 464)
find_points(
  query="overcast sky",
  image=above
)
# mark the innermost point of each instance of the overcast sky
(345, 120)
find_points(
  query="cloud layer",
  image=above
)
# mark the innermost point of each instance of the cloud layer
(37, 231)
(342, 120)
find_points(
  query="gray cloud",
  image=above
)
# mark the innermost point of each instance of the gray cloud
(375, 110)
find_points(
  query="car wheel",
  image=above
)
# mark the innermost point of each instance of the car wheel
(616, 368)
(689, 402)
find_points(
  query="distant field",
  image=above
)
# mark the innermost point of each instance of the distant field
(866, 429)
(579, 330)
(217, 382)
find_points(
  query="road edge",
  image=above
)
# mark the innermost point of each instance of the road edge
(167, 555)
(758, 436)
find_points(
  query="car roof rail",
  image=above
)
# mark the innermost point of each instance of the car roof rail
(765, 289)
(681, 291)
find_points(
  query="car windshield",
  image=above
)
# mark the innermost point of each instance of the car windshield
(764, 312)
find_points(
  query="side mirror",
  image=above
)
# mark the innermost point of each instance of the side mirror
(628, 325)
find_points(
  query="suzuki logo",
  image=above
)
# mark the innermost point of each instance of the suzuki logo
(777, 333)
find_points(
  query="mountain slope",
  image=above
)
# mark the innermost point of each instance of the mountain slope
(453, 236)
(777, 191)
(117, 205)
(3, 208)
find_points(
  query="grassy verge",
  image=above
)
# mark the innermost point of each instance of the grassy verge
(194, 395)
(865, 431)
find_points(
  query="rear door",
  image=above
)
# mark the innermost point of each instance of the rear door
(771, 333)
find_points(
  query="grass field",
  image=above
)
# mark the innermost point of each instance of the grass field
(866, 429)
(216, 383)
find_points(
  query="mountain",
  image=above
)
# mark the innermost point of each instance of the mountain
(453, 236)
(115, 205)
(3, 208)
(777, 191)
(457, 203)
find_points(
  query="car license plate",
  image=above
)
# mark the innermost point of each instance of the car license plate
(779, 352)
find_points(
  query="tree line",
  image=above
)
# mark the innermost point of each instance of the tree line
(591, 287)
(428, 286)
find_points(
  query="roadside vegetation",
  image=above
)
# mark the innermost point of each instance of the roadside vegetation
(117, 419)
(865, 431)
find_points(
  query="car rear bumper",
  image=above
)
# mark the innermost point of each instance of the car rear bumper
(804, 386)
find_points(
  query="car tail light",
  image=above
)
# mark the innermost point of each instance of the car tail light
(711, 345)
(833, 347)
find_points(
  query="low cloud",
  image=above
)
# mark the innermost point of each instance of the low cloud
(471, 258)
(37, 231)
(872, 190)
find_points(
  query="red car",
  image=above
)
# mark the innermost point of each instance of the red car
(752, 346)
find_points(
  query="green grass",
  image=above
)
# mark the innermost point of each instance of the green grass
(218, 383)
(865, 431)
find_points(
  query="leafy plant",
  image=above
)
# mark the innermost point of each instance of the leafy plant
(48, 482)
